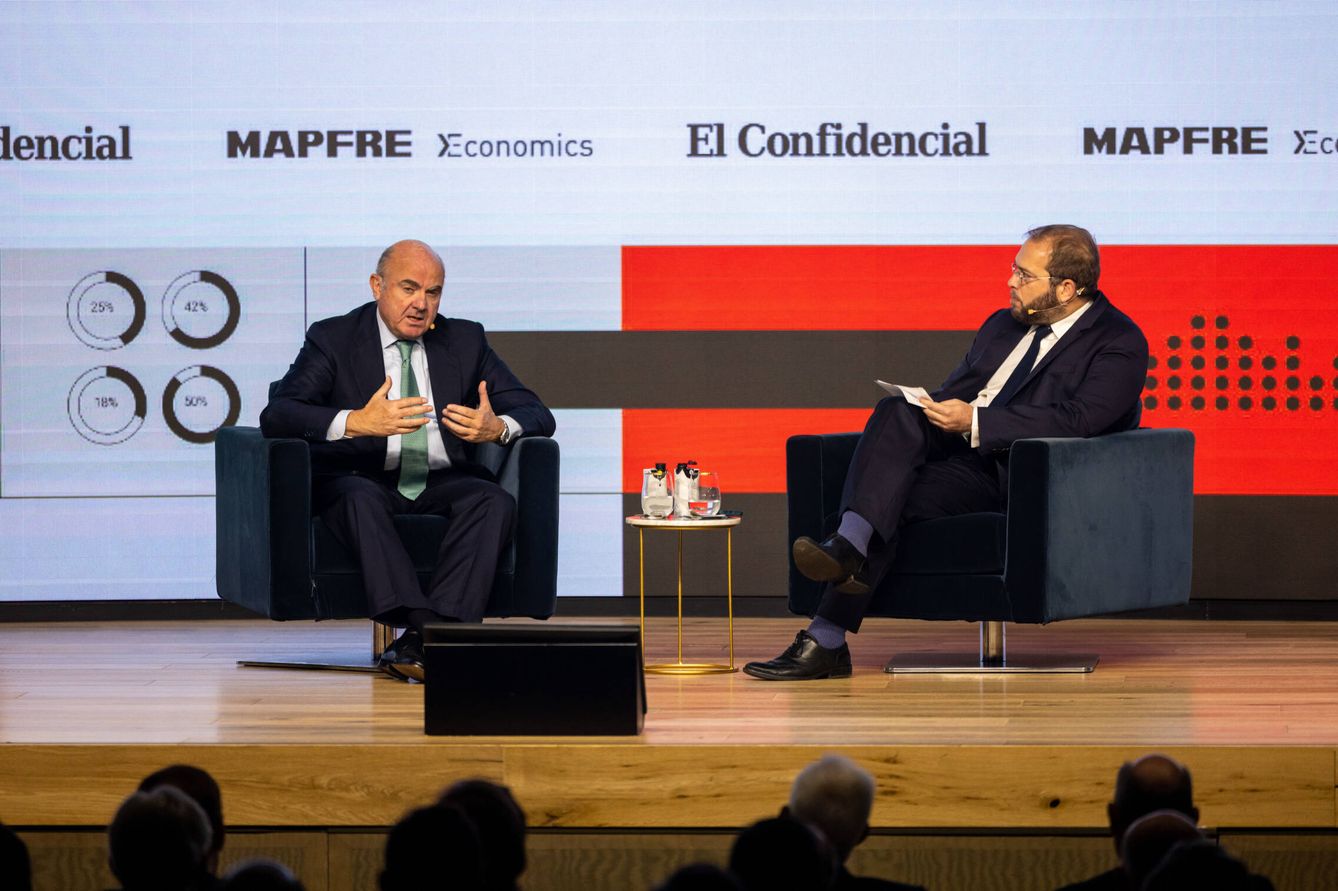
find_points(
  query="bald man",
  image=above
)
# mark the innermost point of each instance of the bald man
(389, 395)
(1150, 784)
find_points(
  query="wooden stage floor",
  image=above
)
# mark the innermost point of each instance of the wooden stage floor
(87, 709)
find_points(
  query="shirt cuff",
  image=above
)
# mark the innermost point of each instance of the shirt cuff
(975, 426)
(513, 428)
(338, 426)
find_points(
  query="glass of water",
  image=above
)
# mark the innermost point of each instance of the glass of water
(707, 502)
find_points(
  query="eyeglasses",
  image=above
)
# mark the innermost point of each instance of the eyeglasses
(1023, 276)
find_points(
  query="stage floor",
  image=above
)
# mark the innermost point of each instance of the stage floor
(86, 709)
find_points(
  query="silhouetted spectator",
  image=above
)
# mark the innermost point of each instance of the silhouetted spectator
(433, 847)
(1149, 838)
(1200, 865)
(1151, 783)
(782, 853)
(159, 841)
(15, 868)
(260, 875)
(700, 877)
(836, 795)
(501, 828)
(204, 791)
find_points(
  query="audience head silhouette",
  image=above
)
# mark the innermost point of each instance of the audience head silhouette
(433, 847)
(700, 877)
(1149, 838)
(204, 791)
(1151, 783)
(1200, 865)
(159, 841)
(15, 868)
(260, 875)
(501, 829)
(835, 795)
(782, 853)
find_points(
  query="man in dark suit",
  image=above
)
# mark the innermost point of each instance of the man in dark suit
(1060, 361)
(362, 391)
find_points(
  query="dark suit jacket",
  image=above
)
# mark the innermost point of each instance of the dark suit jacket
(1085, 385)
(341, 365)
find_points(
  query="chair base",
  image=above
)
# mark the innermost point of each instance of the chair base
(970, 663)
(315, 663)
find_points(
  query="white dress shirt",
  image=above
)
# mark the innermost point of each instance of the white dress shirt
(390, 355)
(1000, 376)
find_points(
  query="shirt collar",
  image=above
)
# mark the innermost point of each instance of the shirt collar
(1056, 328)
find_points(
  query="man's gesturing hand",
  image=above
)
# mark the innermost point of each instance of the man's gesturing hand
(386, 417)
(474, 424)
(952, 415)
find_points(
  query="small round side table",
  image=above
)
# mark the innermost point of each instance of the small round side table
(682, 525)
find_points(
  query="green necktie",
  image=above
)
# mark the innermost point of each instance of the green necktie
(413, 446)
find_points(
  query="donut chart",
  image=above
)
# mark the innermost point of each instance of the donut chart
(194, 417)
(105, 310)
(106, 405)
(201, 309)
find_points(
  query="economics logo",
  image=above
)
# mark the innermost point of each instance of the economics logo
(88, 145)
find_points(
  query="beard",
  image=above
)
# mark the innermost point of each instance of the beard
(1047, 301)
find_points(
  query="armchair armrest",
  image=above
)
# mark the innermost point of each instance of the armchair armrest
(1099, 525)
(529, 471)
(263, 526)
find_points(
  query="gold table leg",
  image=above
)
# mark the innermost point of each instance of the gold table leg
(680, 667)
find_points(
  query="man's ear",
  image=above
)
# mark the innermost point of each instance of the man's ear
(785, 810)
(375, 282)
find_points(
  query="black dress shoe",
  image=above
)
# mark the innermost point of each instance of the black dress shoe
(403, 659)
(805, 660)
(833, 560)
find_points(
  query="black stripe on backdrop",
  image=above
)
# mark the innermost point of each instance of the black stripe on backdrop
(725, 369)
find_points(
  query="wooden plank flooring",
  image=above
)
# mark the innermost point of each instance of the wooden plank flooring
(86, 709)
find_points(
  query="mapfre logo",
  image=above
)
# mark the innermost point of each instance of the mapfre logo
(320, 144)
(1205, 140)
(88, 145)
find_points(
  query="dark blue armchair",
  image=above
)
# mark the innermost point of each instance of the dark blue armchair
(276, 559)
(1094, 526)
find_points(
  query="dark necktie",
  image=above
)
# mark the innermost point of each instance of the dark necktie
(1014, 382)
(413, 446)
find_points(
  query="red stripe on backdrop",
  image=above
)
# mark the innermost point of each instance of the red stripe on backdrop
(746, 446)
(1267, 313)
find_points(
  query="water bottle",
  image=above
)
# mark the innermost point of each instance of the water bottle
(656, 501)
(685, 487)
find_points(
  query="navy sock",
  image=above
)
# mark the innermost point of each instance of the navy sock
(420, 617)
(856, 530)
(827, 633)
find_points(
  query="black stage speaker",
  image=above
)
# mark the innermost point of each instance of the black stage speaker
(555, 680)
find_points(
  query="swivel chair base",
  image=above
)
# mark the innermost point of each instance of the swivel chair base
(382, 636)
(992, 659)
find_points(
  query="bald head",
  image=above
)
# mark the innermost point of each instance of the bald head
(836, 795)
(1151, 783)
(1148, 840)
(410, 245)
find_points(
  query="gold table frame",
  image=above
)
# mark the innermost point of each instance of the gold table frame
(687, 525)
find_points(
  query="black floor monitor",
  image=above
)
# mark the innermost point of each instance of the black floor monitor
(557, 680)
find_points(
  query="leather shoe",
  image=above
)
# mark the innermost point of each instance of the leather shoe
(805, 660)
(833, 560)
(403, 659)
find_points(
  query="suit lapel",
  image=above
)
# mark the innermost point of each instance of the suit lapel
(447, 383)
(1072, 336)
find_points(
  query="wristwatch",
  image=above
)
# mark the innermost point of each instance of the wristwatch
(505, 436)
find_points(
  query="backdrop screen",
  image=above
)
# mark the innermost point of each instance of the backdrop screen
(694, 228)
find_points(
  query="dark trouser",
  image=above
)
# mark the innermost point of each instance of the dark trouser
(360, 511)
(905, 470)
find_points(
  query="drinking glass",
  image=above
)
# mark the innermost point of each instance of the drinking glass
(707, 502)
(656, 500)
